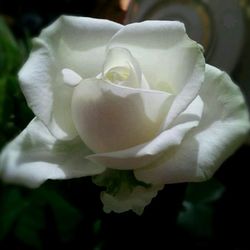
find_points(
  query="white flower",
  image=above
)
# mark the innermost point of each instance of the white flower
(134, 106)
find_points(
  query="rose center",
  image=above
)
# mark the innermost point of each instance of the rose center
(118, 74)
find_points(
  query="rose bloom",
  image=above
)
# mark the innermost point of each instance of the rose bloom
(134, 106)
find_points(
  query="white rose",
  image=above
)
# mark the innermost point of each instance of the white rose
(135, 106)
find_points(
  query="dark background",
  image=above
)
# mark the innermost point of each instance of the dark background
(68, 214)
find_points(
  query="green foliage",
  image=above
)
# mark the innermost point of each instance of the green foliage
(23, 213)
(29, 224)
(9, 50)
(198, 207)
(12, 206)
(66, 215)
(14, 113)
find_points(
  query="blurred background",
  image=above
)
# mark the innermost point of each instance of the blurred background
(68, 214)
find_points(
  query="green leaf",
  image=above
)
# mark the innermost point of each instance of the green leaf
(97, 226)
(14, 113)
(6, 34)
(30, 225)
(12, 206)
(204, 192)
(10, 55)
(197, 214)
(67, 217)
(196, 219)
(2, 96)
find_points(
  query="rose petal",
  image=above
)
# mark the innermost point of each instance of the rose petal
(222, 129)
(111, 117)
(136, 201)
(36, 156)
(120, 67)
(144, 154)
(70, 77)
(35, 79)
(76, 43)
(168, 58)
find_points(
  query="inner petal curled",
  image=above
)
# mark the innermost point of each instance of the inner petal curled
(118, 75)
(120, 67)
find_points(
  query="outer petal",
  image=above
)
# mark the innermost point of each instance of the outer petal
(35, 156)
(79, 42)
(76, 43)
(144, 154)
(168, 58)
(224, 126)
